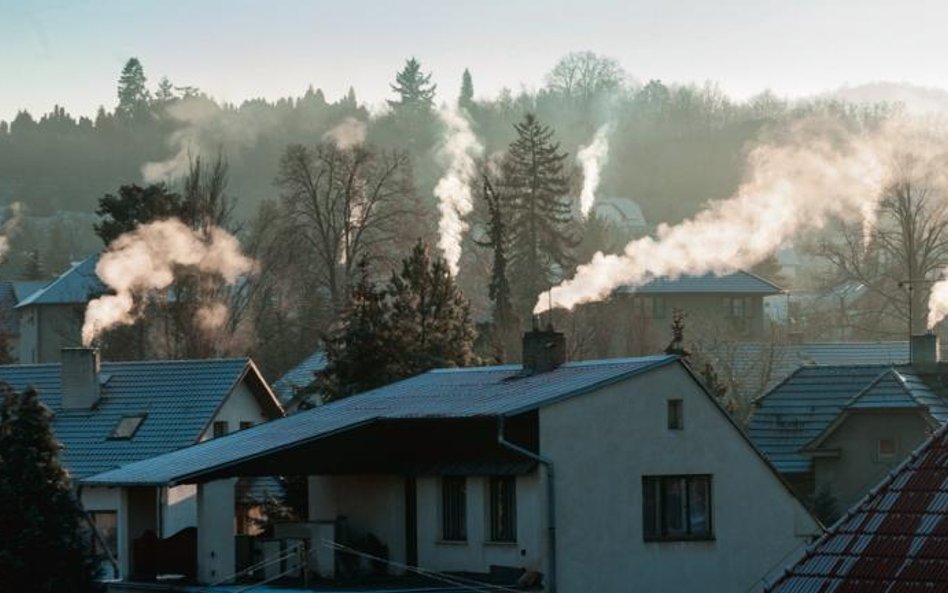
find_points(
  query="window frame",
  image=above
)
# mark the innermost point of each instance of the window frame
(110, 537)
(502, 528)
(454, 509)
(244, 425)
(114, 436)
(675, 414)
(655, 514)
(880, 456)
(220, 424)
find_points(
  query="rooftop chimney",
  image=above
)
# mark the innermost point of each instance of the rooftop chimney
(543, 350)
(925, 350)
(80, 378)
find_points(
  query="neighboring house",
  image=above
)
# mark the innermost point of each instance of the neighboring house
(457, 470)
(839, 429)
(623, 215)
(892, 541)
(12, 293)
(51, 318)
(110, 414)
(297, 384)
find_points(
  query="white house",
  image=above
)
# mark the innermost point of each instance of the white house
(110, 414)
(608, 475)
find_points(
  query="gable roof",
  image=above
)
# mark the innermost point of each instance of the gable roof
(299, 377)
(736, 283)
(894, 540)
(801, 408)
(178, 398)
(11, 293)
(440, 393)
(77, 285)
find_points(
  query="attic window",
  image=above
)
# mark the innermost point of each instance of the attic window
(127, 427)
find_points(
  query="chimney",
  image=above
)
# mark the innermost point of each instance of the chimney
(543, 350)
(80, 378)
(925, 350)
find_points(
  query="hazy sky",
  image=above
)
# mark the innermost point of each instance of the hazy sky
(71, 52)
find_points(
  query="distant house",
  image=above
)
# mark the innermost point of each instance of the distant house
(841, 428)
(111, 414)
(297, 383)
(892, 540)
(623, 215)
(50, 318)
(457, 470)
(12, 293)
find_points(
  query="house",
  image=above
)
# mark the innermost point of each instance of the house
(595, 474)
(12, 293)
(623, 215)
(839, 429)
(50, 319)
(893, 540)
(110, 414)
(298, 383)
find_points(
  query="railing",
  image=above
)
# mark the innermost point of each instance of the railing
(297, 552)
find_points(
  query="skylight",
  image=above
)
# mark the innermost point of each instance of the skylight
(127, 426)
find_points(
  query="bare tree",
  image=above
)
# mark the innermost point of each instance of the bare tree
(346, 204)
(585, 75)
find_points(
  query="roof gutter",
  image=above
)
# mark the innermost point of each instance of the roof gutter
(547, 463)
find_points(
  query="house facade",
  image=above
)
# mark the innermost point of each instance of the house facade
(585, 475)
(108, 414)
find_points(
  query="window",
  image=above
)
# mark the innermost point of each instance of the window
(503, 509)
(127, 427)
(220, 428)
(676, 419)
(245, 424)
(676, 508)
(454, 509)
(106, 524)
(887, 448)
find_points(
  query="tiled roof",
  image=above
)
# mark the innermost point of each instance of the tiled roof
(300, 376)
(895, 540)
(24, 288)
(179, 397)
(76, 285)
(736, 283)
(802, 407)
(441, 393)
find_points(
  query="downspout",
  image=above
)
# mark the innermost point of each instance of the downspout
(95, 531)
(547, 463)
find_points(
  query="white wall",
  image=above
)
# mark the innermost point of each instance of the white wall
(371, 504)
(604, 442)
(28, 340)
(216, 547)
(180, 509)
(240, 406)
(108, 499)
(477, 554)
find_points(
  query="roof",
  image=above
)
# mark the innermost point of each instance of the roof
(801, 408)
(894, 540)
(299, 377)
(179, 399)
(622, 212)
(78, 284)
(11, 293)
(737, 283)
(441, 394)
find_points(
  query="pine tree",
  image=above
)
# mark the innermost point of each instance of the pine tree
(466, 98)
(414, 88)
(45, 547)
(536, 187)
(132, 206)
(165, 91)
(132, 93)
(505, 323)
(33, 267)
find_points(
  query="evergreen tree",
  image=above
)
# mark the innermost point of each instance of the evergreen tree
(414, 88)
(135, 205)
(132, 93)
(165, 91)
(466, 98)
(33, 268)
(536, 187)
(45, 547)
(505, 323)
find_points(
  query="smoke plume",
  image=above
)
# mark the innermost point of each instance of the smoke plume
(808, 175)
(10, 226)
(592, 158)
(458, 150)
(144, 261)
(350, 132)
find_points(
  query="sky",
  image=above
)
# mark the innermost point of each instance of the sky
(71, 52)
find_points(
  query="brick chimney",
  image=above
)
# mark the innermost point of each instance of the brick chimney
(543, 349)
(925, 350)
(80, 378)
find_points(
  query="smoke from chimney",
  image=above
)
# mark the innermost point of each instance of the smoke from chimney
(457, 151)
(145, 260)
(350, 132)
(813, 172)
(10, 226)
(592, 158)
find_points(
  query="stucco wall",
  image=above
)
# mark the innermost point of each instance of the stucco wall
(477, 554)
(216, 546)
(240, 406)
(46, 330)
(604, 442)
(857, 468)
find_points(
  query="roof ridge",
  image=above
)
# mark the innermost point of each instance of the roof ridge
(37, 294)
(875, 382)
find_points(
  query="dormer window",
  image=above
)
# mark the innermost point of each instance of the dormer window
(127, 427)
(676, 418)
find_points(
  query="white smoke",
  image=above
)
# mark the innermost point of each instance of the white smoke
(144, 261)
(592, 158)
(813, 173)
(350, 132)
(9, 227)
(458, 152)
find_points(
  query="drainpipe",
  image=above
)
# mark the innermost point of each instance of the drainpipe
(547, 463)
(95, 531)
